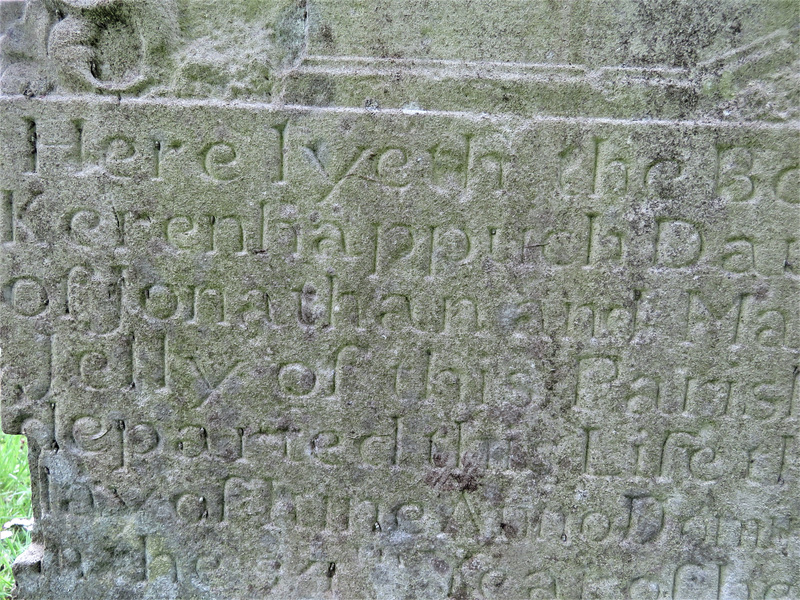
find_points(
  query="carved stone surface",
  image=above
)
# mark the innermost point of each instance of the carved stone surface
(403, 299)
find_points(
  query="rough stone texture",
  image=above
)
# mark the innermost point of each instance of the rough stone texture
(336, 299)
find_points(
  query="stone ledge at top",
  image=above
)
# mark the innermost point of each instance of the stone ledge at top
(723, 59)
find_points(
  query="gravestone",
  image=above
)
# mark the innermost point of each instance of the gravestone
(403, 299)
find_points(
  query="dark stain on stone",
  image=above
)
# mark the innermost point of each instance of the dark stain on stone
(460, 594)
(466, 479)
(326, 34)
(439, 565)
(509, 530)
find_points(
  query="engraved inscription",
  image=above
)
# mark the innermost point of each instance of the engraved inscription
(366, 353)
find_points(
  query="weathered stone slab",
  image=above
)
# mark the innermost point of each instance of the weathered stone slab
(406, 313)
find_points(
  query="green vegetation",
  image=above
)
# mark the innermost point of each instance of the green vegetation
(15, 503)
